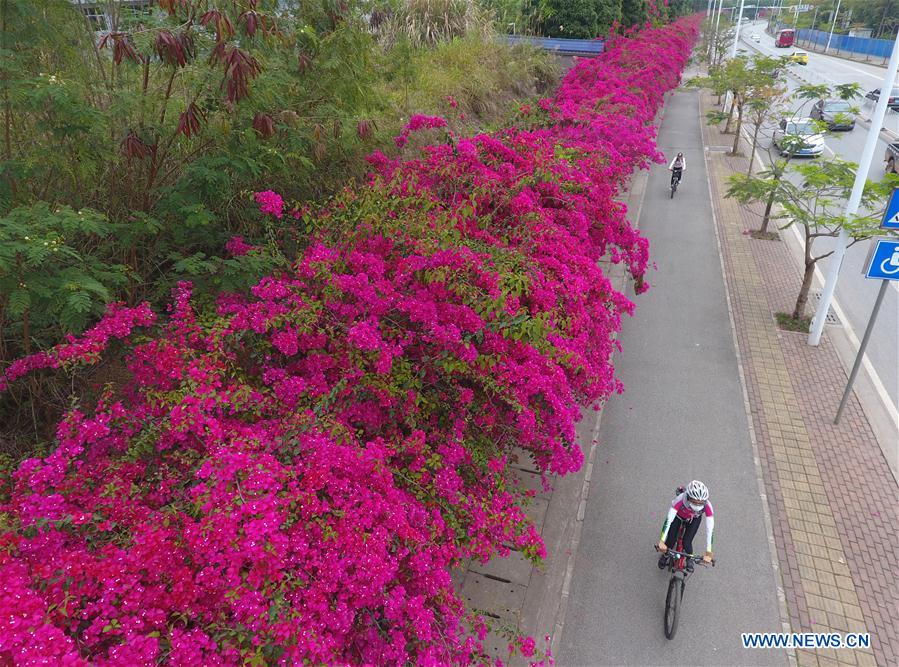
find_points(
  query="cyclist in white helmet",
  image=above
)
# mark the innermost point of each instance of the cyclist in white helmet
(689, 507)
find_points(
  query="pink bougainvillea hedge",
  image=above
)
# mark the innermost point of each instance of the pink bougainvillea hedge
(289, 478)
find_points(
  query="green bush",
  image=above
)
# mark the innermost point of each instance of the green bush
(159, 145)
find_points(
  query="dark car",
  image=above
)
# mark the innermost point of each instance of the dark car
(893, 102)
(838, 114)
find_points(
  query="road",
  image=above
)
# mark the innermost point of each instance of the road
(855, 294)
(681, 418)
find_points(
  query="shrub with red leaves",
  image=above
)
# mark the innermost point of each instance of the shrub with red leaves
(190, 121)
(264, 125)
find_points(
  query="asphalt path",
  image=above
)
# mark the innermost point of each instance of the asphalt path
(681, 417)
(855, 294)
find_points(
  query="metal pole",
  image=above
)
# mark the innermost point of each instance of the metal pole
(717, 24)
(712, 31)
(811, 33)
(861, 349)
(833, 267)
(832, 26)
(737, 35)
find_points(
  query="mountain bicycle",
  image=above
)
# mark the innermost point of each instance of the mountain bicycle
(675, 179)
(677, 566)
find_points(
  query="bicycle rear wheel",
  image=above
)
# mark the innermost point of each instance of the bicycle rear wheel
(672, 605)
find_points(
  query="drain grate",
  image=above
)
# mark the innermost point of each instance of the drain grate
(831, 316)
(718, 149)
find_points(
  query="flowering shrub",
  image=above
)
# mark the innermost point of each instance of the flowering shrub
(290, 478)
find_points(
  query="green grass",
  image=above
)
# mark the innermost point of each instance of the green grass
(764, 236)
(786, 322)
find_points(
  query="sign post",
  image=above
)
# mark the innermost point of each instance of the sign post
(883, 265)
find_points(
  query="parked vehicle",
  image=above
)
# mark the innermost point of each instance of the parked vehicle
(838, 114)
(785, 38)
(799, 137)
(892, 158)
(893, 102)
(800, 57)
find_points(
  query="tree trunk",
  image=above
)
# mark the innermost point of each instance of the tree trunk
(736, 148)
(26, 333)
(730, 115)
(767, 217)
(755, 136)
(802, 299)
(7, 109)
(770, 203)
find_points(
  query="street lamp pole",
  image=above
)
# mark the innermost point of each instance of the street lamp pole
(737, 35)
(717, 24)
(832, 26)
(714, 33)
(861, 176)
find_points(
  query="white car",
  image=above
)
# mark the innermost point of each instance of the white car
(756, 37)
(799, 137)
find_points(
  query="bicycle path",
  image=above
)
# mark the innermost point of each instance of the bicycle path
(682, 416)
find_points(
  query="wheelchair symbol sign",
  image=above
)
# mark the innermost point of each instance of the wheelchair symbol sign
(884, 263)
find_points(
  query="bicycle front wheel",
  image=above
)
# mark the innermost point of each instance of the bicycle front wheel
(672, 605)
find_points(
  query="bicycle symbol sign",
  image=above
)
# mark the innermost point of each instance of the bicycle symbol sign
(884, 263)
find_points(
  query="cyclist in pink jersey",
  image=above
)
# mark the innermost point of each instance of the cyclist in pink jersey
(689, 508)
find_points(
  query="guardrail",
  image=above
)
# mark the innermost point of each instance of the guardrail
(566, 47)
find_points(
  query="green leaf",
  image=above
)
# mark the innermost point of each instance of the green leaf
(19, 302)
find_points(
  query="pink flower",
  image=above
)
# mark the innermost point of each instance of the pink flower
(296, 472)
(270, 203)
(237, 246)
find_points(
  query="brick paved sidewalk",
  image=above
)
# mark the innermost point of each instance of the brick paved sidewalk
(831, 494)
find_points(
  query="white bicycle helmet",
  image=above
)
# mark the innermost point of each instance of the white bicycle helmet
(697, 491)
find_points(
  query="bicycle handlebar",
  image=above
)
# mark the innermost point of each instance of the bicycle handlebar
(693, 557)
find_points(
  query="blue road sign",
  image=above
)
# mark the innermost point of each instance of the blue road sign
(891, 217)
(884, 263)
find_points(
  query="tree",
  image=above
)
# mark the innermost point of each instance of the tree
(747, 79)
(816, 204)
(608, 13)
(881, 16)
(716, 43)
(570, 18)
(633, 12)
(765, 104)
(579, 18)
(756, 88)
(768, 185)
